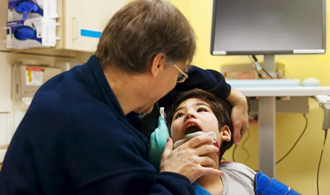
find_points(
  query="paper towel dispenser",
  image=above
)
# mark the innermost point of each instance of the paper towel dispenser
(28, 78)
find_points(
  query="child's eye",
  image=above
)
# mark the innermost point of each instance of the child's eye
(179, 114)
(201, 109)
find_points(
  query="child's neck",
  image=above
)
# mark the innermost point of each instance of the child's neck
(212, 184)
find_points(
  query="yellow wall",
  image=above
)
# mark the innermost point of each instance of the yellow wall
(299, 168)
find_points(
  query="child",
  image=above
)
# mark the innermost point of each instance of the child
(200, 111)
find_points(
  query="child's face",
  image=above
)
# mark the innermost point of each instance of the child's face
(193, 115)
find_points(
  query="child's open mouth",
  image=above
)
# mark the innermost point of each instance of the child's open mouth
(192, 128)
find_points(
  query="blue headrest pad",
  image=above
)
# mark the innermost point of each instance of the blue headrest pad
(158, 140)
(265, 185)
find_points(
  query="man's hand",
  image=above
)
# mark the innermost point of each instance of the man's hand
(239, 114)
(190, 158)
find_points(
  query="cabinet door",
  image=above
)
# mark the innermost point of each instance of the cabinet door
(84, 20)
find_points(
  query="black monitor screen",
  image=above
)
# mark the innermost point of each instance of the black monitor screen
(246, 27)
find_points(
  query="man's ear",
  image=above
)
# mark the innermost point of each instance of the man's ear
(157, 64)
(226, 134)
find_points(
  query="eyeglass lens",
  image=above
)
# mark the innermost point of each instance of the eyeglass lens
(181, 78)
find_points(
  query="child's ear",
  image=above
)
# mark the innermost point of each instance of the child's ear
(226, 134)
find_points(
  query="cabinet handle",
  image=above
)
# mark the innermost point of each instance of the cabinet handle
(75, 28)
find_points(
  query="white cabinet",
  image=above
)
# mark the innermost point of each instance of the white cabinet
(82, 22)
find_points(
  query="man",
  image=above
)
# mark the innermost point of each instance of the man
(75, 137)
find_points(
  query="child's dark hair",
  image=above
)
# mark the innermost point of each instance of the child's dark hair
(221, 109)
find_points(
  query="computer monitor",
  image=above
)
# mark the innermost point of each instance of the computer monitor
(268, 27)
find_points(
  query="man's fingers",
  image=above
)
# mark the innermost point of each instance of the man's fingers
(190, 158)
(199, 140)
(206, 149)
(215, 172)
(237, 135)
(211, 171)
(206, 161)
(244, 130)
(168, 147)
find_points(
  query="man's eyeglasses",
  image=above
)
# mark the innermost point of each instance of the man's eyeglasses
(182, 76)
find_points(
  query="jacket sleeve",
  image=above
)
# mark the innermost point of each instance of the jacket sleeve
(165, 184)
(119, 166)
(208, 80)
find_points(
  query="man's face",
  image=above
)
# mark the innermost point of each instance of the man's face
(172, 72)
(193, 115)
(165, 83)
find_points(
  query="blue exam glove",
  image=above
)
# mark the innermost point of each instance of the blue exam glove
(28, 6)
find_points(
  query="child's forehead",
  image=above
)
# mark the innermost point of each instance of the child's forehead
(193, 102)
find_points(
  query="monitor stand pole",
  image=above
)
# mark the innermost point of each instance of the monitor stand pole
(267, 113)
(269, 65)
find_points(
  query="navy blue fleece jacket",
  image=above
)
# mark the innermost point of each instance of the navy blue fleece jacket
(75, 139)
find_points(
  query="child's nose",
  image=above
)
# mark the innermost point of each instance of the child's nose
(189, 115)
